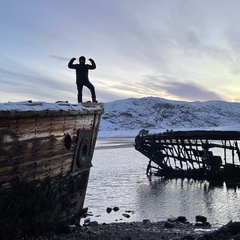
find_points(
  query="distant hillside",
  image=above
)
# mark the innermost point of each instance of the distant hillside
(157, 113)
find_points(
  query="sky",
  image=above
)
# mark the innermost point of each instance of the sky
(185, 50)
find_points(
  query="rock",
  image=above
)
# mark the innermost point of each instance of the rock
(207, 224)
(109, 210)
(145, 221)
(129, 211)
(93, 223)
(200, 218)
(83, 212)
(87, 220)
(182, 219)
(126, 215)
(232, 227)
(172, 219)
(169, 225)
(202, 224)
(115, 209)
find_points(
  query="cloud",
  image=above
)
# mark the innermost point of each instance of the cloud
(188, 90)
(59, 58)
(23, 79)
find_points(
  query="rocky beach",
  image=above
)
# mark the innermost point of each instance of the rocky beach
(174, 228)
(166, 230)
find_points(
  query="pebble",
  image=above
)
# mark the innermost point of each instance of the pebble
(169, 225)
(145, 221)
(93, 223)
(115, 209)
(109, 210)
(200, 218)
(87, 220)
(126, 215)
(182, 219)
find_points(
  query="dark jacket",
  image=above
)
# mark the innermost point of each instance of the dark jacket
(81, 70)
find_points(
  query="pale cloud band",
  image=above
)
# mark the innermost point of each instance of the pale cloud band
(182, 50)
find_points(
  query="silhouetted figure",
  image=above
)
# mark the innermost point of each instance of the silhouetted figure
(82, 76)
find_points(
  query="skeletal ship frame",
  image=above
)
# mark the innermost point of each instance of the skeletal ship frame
(192, 154)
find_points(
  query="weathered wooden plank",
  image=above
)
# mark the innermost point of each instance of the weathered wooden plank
(16, 114)
(47, 124)
(46, 168)
(35, 155)
(38, 144)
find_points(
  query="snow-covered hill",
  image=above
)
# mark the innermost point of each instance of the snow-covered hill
(127, 117)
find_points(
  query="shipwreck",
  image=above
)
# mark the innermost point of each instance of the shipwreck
(46, 151)
(209, 155)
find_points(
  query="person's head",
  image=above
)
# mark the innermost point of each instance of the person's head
(82, 60)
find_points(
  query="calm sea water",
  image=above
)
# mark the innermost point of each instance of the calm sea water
(118, 179)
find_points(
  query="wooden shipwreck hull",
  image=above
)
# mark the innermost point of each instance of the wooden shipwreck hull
(211, 155)
(45, 157)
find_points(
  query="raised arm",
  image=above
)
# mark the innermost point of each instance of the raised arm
(70, 64)
(93, 66)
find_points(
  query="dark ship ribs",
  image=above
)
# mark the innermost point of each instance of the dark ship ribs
(196, 154)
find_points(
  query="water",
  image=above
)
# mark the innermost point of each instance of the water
(118, 179)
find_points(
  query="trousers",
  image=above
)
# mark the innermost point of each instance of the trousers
(89, 86)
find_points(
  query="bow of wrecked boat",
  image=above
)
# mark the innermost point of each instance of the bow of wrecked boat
(192, 154)
(45, 158)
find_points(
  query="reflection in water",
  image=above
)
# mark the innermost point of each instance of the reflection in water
(118, 179)
(163, 198)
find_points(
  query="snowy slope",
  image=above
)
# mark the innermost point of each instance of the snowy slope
(126, 117)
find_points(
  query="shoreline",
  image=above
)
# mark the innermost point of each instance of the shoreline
(144, 230)
(115, 142)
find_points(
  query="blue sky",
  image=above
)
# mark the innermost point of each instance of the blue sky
(175, 49)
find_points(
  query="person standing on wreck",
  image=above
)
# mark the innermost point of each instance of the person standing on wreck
(82, 76)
